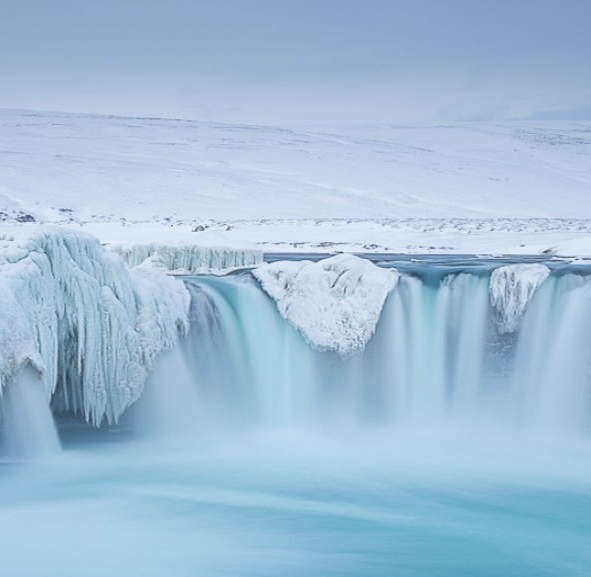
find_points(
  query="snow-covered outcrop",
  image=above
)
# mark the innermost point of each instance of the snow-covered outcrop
(512, 288)
(186, 257)
(335, 303)
(91, 326)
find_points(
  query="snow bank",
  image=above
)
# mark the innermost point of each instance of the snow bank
(335, 303)
(186, 257)
(91, 326)
(512, 288)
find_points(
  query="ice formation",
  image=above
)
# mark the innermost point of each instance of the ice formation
(187, 257)
(90, 326)
(512, 288)
(335, 303)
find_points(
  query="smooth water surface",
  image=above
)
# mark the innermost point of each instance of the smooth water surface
(294, 503)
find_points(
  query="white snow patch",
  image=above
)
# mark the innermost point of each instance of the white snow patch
(335, 303)
(91, 326)
(512, 288)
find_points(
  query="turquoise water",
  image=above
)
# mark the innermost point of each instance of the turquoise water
(293, 503)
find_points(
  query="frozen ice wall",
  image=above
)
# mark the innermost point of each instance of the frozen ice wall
(187, 257)
(90, 325)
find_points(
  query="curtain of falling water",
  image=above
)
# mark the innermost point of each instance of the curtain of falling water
(431, 360)
(27, 423)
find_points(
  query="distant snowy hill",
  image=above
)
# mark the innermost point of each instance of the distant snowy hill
(97, 169)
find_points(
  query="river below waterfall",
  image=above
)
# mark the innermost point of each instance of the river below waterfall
(293, 503)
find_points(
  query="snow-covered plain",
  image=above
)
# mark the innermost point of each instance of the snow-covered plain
(517, 187)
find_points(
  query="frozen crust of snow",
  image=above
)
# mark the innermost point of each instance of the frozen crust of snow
(186, 257)
(512, 288)
(335, 303)
(474, 187)
(170, 170)
(91, 326)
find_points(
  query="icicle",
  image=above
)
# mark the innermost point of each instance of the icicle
(91, 326)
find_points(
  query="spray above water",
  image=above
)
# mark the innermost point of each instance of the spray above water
(170, 404)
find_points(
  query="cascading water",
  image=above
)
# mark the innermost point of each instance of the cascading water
(439, 355)
(170, 405)
(553, 358)
(453, 443)
(28, 427)
(250, 365)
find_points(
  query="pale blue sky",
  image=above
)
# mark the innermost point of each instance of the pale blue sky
(299, 60)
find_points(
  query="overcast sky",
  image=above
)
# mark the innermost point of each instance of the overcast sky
(294, 61)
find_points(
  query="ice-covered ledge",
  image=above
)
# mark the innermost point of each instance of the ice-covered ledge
(91, 326)
(335, 303)
(184, 257)
(180, 250)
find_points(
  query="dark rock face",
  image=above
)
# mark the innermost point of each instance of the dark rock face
(12, 216)
(24, 217)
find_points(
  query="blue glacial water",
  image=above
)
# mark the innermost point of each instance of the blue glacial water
(288, 504)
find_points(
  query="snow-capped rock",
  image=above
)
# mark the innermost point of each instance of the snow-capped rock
(512, 288)
(335, 303)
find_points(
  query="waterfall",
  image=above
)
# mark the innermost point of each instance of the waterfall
(170, 405)
(27, 423)
(553, 365)
(504, 345)
(249, 363)
(441, 354)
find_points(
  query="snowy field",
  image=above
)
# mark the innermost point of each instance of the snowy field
(517, 187)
